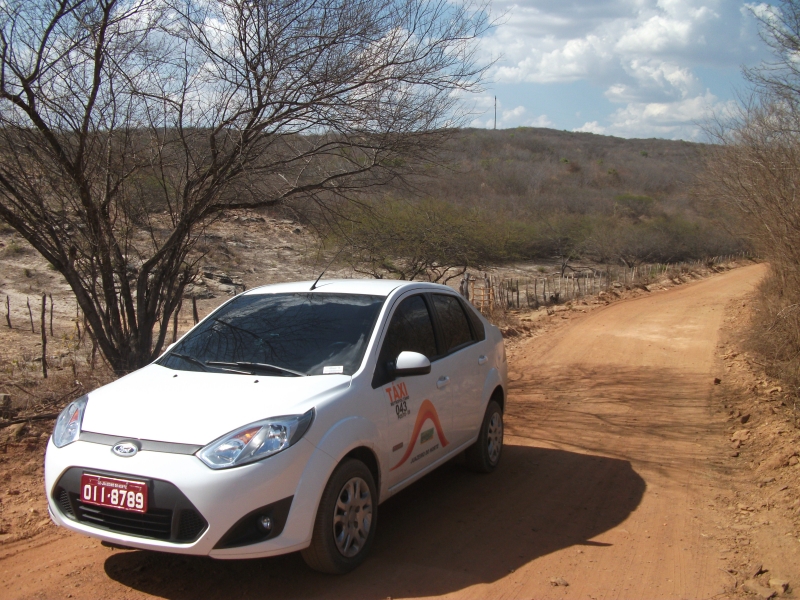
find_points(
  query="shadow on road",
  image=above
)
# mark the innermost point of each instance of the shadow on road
(653, 417)
(449, 531)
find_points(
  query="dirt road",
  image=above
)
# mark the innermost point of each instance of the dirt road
(611, 467)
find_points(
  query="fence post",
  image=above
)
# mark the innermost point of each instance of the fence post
(44, 335)
(30, 313)
(8, 312)
(51, 315)
(194, 310)
(463, 286)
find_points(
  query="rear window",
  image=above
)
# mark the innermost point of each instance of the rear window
(305, 333)
(477, 324)
(453, 322)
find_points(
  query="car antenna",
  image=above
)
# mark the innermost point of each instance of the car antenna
(314, 285)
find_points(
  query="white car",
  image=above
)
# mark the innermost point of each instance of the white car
(281, 421)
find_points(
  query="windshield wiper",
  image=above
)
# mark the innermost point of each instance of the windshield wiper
(255, 365)
(190, 359)
(202, 365)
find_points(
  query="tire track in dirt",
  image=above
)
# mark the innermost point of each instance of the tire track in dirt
(612, 458)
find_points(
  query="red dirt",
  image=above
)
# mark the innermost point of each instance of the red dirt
(617, 479)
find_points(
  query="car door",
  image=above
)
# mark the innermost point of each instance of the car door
(465, 360)
(419, 414)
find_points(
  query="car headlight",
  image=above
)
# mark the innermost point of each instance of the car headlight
(256, 441)
(68, 424)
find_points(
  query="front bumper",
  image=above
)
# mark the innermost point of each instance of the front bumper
(194, 506)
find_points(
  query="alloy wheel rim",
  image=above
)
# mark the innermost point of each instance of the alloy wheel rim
(495, 437)
(352, 517)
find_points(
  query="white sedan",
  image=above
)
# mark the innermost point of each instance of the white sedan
(281, 421)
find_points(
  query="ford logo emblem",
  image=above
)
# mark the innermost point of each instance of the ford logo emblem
(125, 449)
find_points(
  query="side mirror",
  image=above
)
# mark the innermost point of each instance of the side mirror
(411, 363)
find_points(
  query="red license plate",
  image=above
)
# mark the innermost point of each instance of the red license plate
(121, 494)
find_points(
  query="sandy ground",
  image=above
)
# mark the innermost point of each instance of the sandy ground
(617, 479)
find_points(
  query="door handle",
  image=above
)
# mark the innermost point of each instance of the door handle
(482, 359)
(443, 381)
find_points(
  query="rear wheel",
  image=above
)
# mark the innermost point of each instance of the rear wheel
(345, 524)
(484, 455)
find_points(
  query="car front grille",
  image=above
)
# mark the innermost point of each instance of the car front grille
(65, 504)
(155, 523)
(165, 502)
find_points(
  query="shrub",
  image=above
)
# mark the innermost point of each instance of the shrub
(634, 206)
(429, 239)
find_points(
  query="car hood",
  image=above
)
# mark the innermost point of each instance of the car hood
(187, 407)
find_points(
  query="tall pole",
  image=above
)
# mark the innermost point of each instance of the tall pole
(495, 112)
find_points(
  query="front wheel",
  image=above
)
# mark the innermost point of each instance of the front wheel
(345, 524)
(484, 455)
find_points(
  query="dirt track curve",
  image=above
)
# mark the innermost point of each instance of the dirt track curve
(612, 460)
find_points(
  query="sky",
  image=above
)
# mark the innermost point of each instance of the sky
(629, 68)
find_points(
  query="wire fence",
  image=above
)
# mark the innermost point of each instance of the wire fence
(489, 293)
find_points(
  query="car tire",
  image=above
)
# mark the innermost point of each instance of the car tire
(346, 520)
(484, 455)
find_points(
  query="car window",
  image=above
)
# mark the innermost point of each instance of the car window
(477, 325)
(309, 333)
(453, 322)
(410, 329)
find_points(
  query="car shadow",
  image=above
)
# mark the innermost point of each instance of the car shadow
(451, 530)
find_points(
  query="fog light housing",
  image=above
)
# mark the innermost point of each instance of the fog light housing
(258, 525)
(265, 523)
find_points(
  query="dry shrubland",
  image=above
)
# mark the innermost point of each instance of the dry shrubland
(538, 194)
(753, 174)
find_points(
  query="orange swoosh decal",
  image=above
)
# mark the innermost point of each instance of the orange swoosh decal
(426, 411)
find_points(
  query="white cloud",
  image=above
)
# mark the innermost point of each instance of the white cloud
(540, 121)
(644, 54)
(591, 127)
(562, 44)
(651, 79)
(512, 117)
(656, 35)
(679, 119)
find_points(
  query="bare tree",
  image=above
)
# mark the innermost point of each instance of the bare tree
(754, 169)
(127, 127)
(755, 172)
(780, 30)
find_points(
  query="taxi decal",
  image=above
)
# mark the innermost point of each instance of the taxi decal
(426, 411)
(398, 399)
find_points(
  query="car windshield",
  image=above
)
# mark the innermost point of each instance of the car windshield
(282, 335)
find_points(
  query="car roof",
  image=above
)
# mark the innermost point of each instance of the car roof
(372, 287)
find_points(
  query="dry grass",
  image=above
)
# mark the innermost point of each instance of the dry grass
(70, 374)
(775, 332)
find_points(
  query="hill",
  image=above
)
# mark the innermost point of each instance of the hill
(529, 193)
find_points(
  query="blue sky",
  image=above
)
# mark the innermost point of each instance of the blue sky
(631, 68)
